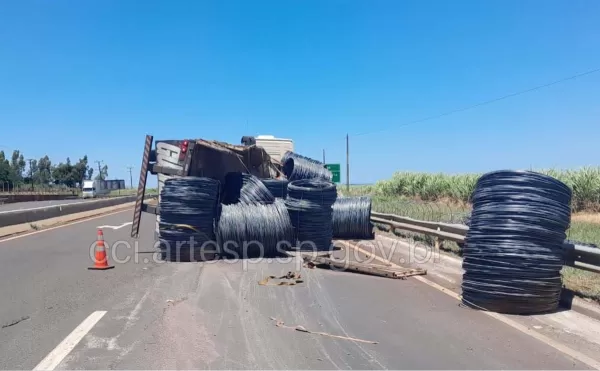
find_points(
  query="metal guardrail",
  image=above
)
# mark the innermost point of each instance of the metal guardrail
(576, 256)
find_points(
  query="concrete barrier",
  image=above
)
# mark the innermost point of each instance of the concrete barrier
(9, 198)
(47, 212)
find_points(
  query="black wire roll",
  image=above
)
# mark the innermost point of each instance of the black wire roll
(290, 154)
(513, 250)
(352, 218)
(277, 187)
(246, 188)
(301, 168)
(254, 230)
(187, 212)
(309, 203)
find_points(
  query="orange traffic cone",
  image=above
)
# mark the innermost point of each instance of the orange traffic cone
(101, 261)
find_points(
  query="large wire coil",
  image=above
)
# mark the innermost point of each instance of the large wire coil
(309, 203)
(187, 212)
(290, 154)
(254, 230)
(513, 250)
(246, 188)
(277, 187)
(297, 167)
(352, 218)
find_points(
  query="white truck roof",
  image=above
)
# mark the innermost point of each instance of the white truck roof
(275, 147)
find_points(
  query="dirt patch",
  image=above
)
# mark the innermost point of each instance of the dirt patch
(586, 217)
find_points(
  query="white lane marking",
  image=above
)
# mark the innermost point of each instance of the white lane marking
(500, 317)
(115, 226)
(63, 225)
(55, 357)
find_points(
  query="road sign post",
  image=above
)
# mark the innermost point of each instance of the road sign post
(335, 171)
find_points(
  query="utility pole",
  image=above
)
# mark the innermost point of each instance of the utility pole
(324, 156)
(130, 176)
(30, 173)
(347, 164)
(99, 168)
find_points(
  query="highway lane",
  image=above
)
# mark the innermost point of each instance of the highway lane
(45, 280)
(215, 315)
(34, 204)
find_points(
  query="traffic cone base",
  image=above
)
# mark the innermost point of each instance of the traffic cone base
(101, 268)
(100, 259)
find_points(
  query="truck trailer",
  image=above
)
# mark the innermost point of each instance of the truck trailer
(196, 157)
(94, 188)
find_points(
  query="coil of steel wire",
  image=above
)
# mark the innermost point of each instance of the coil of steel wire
(187, 212)
(298, 168)
(309, 203)
(290, 154)
(277, 187)
(352, 218)
(513, 255)
(246, 188)
(254, 230)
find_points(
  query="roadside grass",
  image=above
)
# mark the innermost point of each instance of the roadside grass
(584, 182)
(131, 191)
(587, 232)
(583, 283)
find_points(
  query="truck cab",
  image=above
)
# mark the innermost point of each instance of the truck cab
(89, 189)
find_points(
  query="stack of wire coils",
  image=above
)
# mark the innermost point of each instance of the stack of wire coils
(187, 211)
(513, 250)
(309, 203)
(352, 218)
(254, 230)
(297, 167)
(246, 188)
(277, 187)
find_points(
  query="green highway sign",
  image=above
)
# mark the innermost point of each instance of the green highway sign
(335, 171)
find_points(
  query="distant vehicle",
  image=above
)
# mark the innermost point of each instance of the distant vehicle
(94, 188)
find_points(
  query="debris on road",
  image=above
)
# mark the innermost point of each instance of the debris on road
(12, 323)
(176, 301)
(289, 279)
(366, 268)
(299, 328)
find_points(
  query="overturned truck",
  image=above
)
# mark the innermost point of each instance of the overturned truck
(196, 157)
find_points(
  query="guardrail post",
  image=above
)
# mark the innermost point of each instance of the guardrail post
(437, 243)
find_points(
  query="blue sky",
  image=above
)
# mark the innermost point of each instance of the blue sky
(93, 77)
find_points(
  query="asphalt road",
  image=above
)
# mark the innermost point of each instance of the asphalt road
(215, 315)
(34, 204)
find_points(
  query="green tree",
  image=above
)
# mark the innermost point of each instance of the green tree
(44, 171)
(63, 174)
(6, 174)
(80, 170)
(17, 165)
(103, 175)
(31, 173)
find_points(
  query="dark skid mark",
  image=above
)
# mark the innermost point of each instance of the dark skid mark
(15, 322)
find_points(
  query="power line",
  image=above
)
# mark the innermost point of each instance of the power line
(486, 102)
